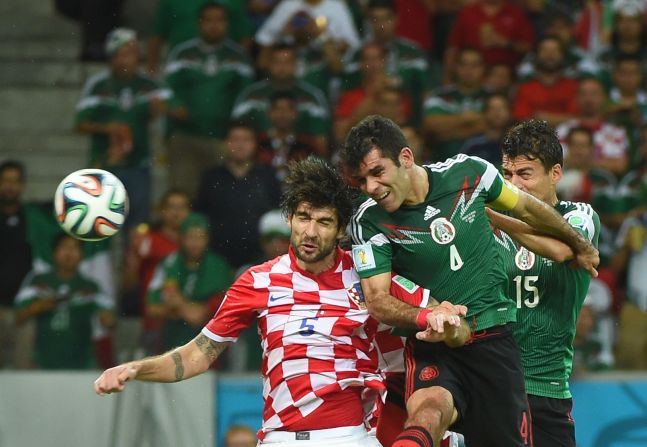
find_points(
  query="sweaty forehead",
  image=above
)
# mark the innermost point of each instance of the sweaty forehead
(521, 162)
(374, 158)
(325, 212)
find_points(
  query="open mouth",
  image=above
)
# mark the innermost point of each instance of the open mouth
(382, 196)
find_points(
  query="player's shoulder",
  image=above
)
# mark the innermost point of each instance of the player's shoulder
(459, 164)
(566, 207)
(187, 48)
(580, 215)
(96, 82)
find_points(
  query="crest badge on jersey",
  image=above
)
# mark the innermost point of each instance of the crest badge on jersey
(442, 231)
(356, 295)
(524, 259)
(363, 257)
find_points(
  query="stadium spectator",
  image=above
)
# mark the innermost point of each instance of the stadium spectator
(415, 22)
(628, 103)
(149, 245)
(550, 96)
(499, 29)
(610, 141)
(206, 74)
(499, 78)
(403, 60)
(364, 100)
(63, 302)
(235, 195)
(558, 23)
(631, 256)
(175, 22)
(454, 112)
(487, 146)
(15, 254)
(282, 142)
(116, 107)
(240, 436)
(577, 185)
(184, 281)
(253, 103)
(318, 57)
(332, 16)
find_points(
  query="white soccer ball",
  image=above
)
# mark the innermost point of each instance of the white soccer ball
(91, 204)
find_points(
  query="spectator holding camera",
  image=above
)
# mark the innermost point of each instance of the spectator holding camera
(64, 303)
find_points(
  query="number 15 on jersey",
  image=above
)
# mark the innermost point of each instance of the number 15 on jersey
(526, 285)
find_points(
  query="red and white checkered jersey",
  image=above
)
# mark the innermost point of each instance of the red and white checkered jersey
(317, 337)
(391, 347)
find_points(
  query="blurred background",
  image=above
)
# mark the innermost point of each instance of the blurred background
(197, 106)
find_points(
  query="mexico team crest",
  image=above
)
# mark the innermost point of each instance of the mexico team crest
(524, 259)
(442, 231)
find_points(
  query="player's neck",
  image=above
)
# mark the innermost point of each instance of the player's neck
(419, 186)
(552, 199)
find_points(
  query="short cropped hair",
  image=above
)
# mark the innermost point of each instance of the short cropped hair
(13, 165)
(535, 140)
(373, 132)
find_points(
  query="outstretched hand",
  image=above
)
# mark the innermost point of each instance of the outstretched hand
(114, 380)
(444, 324)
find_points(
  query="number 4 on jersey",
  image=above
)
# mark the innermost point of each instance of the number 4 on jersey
(455, 261)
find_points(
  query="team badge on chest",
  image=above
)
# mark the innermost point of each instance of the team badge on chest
(442, 231)
(524, 259)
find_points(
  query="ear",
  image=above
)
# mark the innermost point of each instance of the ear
(556, 173)
(406, 157)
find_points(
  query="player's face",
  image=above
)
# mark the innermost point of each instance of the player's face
(175, 210)
(387, 184)
(67, 255)
(194, 243)
(283, 65)
(241, 145)
(11, 186)
(382, 22)
(283, 114)
(126, 59)
(213, 25)
(315, 233)
(530, 176)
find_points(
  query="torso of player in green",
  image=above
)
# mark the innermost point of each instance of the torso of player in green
(548, 297)
(445, 243)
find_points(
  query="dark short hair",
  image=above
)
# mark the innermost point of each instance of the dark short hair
(242, 124)
(535, 140)
(212, 4)
(174, 192)
(491, 96)
(382, 4)
(619, 59)
(316, 182)
(15, 165)
(373, 132)
(547, 38)
(60, 237)
(282, 95)
(580, 129)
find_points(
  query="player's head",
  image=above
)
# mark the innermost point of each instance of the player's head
(550, 55)
(591, 98)
(123, 49)
(240, 436)
(195, 236)
(627, 74)
(383, 19)
(274, 233)
(580, 148)
(213, 22)
(470, 67)
(318, 205)
(283, 111)
(377, 157)
(175, 206)
(12, 182)
(533, 158)
(67, 253)
(241, 142)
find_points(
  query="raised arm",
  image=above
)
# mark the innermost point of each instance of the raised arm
(524, 234)
(179, 364)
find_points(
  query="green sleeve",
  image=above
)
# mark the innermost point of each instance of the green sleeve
(585, 221)
(372, 249)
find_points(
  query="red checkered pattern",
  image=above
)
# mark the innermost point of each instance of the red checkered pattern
(391, 347)
(316, 339)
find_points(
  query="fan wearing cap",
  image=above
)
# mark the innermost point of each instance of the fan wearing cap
(185, 281)
(115, 110)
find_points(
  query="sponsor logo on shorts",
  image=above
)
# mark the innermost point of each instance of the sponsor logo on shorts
(428, 373)
(524, 259)
(442, 231)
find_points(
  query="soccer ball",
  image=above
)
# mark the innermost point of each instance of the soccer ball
(91, 204)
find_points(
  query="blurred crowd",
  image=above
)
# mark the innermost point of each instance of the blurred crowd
(242, 88)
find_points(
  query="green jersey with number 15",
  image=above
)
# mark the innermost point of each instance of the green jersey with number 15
(549, 296)
(444, 244)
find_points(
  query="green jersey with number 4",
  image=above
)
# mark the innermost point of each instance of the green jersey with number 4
(445, 243)
(549, 296)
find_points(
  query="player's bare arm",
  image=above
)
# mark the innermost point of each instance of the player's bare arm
(182, 363)
(389, 310)
(525, 235)
(541, 217)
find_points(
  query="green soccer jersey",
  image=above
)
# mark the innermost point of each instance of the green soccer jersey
(405, 61)
(445, 243)
(206, 79)
(548, 297)
(313, 117)
(450, 101)
(313, 68)
(64, 334)
(212, 276)
(106, 99)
